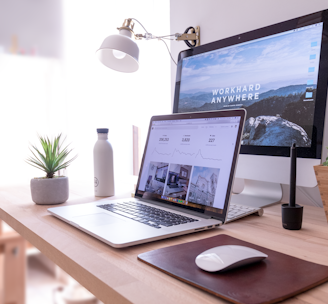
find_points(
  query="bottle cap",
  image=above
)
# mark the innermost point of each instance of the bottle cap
(102, 130)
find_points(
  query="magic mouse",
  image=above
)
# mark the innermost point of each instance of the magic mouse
(228, 257)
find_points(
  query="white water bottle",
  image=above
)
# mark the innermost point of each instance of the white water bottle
(103, 165)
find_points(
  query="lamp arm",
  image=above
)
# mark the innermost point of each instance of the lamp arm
(194, 36)
(148, 35)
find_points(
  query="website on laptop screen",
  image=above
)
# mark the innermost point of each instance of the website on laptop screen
(189, 161)
(274, 78)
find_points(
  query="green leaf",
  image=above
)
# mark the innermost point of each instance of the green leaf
(52, 158)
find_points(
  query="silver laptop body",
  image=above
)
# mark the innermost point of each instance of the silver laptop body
(184, 184)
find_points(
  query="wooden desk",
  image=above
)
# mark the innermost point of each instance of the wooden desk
(116, 276)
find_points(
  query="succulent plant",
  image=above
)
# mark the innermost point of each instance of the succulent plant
(53, 157)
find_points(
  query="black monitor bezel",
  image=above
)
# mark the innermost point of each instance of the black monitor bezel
(202, 209)
(320, 106)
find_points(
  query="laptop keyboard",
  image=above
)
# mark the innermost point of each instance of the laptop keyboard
(147, 215)
(238, 211)
(156, 217)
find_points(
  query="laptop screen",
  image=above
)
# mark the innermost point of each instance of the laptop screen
(189, 161)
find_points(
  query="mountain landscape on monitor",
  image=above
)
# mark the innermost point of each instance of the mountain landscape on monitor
(277, 118)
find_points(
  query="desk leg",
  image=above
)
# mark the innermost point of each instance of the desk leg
(14, 271)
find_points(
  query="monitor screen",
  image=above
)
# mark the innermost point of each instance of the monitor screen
(280, 78)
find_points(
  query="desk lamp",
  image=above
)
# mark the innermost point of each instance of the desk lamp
(121, 53)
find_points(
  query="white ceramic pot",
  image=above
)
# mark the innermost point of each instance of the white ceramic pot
(49, 191)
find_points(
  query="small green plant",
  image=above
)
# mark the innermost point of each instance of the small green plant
(326, 162)
(53, 158)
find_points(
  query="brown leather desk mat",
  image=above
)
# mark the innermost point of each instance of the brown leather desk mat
(272, 280)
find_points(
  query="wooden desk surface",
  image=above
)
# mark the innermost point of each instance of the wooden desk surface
(116, 276)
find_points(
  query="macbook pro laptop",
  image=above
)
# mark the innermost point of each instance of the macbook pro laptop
(184, 184)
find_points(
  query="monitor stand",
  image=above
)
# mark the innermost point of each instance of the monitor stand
(258, 194)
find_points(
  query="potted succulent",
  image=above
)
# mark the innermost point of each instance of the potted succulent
(50, 189)
(321, 174)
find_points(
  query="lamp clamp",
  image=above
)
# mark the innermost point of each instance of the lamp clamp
(193, 36)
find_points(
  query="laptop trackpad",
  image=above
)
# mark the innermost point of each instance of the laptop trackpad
(97, 219)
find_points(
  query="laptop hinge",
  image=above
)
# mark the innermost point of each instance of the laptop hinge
(185, 210)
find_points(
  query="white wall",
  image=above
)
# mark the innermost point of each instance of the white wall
(219, 19)
(77, 94)
(99, 97)
(31, 102)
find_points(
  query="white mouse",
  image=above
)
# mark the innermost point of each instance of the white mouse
(228, 257)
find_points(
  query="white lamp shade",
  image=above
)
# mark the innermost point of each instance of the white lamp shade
(116, 60)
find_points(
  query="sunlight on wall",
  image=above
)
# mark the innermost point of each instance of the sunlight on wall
(78, 94)
(99, 97)
(32, 101)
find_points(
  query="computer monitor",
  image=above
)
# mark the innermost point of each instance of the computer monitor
(173, 179)
(279, 75)
(161, 173)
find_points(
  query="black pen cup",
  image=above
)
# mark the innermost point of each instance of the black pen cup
(292, 216)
